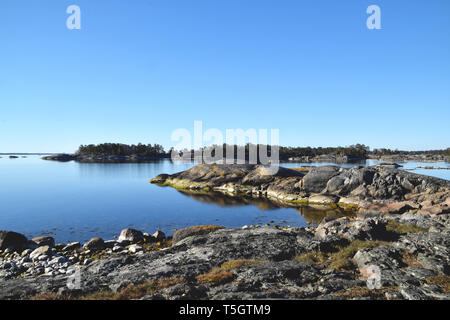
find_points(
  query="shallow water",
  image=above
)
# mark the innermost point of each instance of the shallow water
(75, 202)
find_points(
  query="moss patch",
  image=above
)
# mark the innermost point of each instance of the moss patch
(403, 228)
(348, 206)
(302, 201)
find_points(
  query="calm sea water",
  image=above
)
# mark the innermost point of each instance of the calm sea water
(75, 202)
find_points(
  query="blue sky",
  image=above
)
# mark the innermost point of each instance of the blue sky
(137, 70)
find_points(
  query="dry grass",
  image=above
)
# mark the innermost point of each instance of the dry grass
(50, 296)
(340, 257)
(216, 276)
(363, 291)
(442, 281)
(133, 291)
(411, 260)
(403, 228)
(236, 264)
(313, 257)
(155, 246)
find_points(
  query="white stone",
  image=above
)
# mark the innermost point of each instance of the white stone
(135, 248)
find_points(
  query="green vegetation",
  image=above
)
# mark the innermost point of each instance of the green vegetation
(338, 257)
(389, 152)
(358, 151)
(354, 151)
(119, 149)
(403, 228)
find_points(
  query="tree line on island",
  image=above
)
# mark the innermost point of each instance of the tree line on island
(120, 149)
(357, 151)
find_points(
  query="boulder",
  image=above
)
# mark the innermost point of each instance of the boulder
(95, 244)
(40, 251)
(110, 243)
(72, 246)
(13, 240)
(193, 231)
(317, 178)
(131, 235)
(159, 235)
(44, 241)
(367, 229)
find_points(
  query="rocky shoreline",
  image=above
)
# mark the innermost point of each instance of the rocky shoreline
(383, 187)
(331, 261)
(396, 246)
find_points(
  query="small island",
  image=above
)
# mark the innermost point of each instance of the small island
(113, 153)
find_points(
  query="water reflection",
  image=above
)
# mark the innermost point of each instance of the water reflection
(313, 214)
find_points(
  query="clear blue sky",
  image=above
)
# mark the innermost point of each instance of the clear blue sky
(137, 70)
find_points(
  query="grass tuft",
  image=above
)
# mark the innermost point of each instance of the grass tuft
(236, 264)
(339, 257)
(363, 291)
(133, 291)
(216, 276)
(403, 228)
(442, 281)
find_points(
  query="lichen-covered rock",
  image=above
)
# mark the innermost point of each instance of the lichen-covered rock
(193, 231)
(367, 229)
(257, 263)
